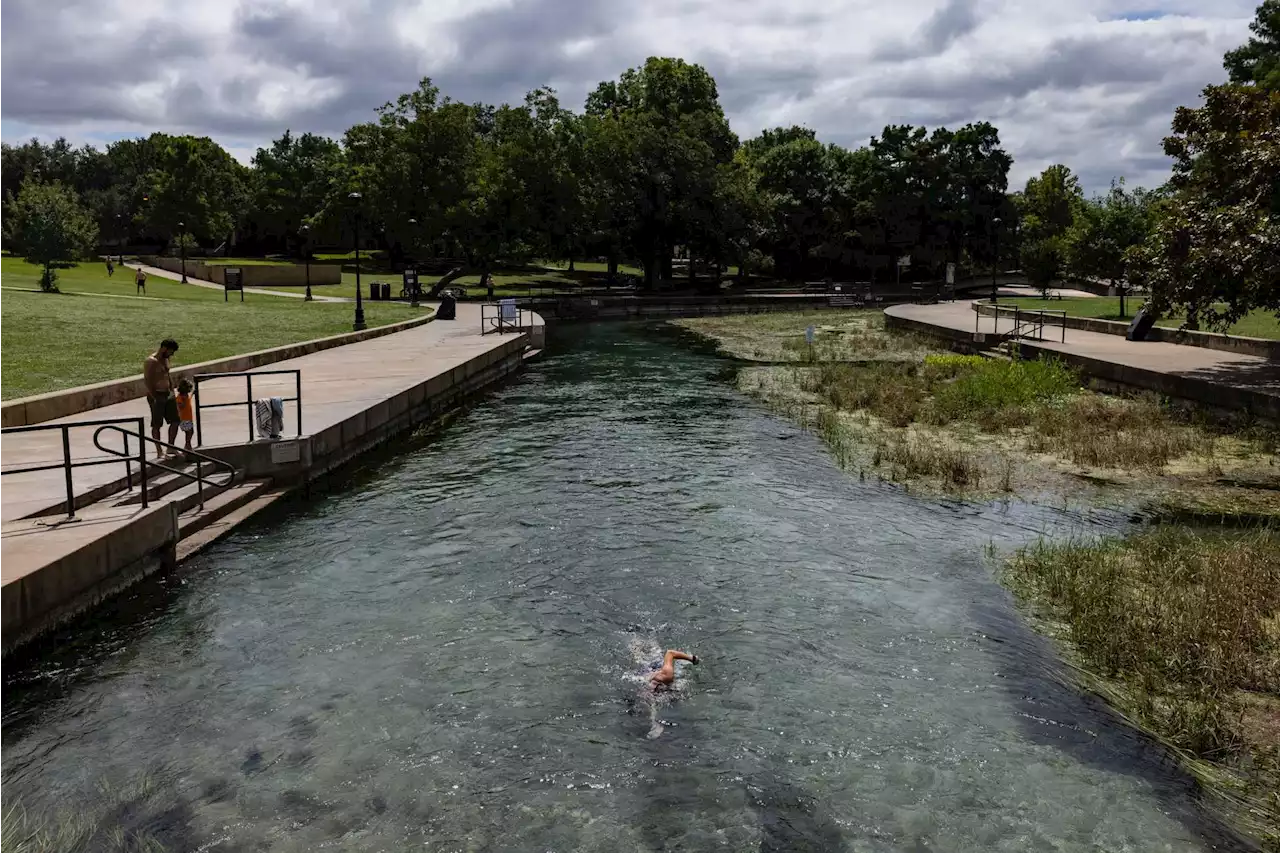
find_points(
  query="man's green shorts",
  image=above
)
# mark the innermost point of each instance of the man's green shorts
(164, 409)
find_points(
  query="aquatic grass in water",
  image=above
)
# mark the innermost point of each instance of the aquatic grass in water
(1189, 617)
(1115, 433)
(999, 394)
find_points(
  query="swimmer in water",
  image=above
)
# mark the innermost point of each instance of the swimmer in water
(662, 677)
(665, 674)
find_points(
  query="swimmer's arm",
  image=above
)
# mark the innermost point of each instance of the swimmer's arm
(672, 656)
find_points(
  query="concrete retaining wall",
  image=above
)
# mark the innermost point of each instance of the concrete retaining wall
(956, 339)
(39, 408)
(1260, 347)
(44, 599)
(1216, 396)
(253, 275)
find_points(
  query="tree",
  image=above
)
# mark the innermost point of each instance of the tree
(668, 137)
(1105, 230)
(48, 225)
(195, 181)
(1215, 249)
(1258, 60)
(1047, 208)
(293, 179)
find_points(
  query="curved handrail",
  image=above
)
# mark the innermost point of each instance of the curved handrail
(200, 458)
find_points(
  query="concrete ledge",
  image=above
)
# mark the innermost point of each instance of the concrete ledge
(1211, 394)
(252, 275)
(73, 582)
(960, 341)
(1260, 347)
(39, 408)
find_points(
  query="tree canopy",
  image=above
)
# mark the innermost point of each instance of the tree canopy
(48, 225)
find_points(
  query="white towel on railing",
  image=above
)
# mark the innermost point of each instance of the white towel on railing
(268, 414)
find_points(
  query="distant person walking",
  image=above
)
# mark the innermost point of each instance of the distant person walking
(111, 267)
(140, 278)
(164, 408)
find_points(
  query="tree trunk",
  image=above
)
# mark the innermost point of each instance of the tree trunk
(613, 266)
(692, 277)
(571, 269)
(665, 261)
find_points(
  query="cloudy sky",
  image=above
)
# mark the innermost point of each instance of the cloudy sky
(1090, 83)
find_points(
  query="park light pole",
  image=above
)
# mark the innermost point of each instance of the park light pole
(182, 245)
(120, 231)
(995, 261)
(305, 230)
(413, 294)
(359, 323)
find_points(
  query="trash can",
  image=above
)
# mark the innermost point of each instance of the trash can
(373, 291)
(386, 291)
(448, 309)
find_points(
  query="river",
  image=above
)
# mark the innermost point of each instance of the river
(444, 652)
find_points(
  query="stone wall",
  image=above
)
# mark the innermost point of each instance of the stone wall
(253, 275)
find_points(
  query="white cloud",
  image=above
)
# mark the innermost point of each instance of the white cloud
(1091, 83)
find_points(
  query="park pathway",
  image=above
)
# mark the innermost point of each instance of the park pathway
(336, 383)
(1253, 373)
(173, 276)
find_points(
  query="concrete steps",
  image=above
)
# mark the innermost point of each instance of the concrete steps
(201, 528)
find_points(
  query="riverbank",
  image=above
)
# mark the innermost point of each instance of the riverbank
(896, 407)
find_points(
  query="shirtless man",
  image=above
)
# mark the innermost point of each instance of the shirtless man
(164, 408)
(662, 678)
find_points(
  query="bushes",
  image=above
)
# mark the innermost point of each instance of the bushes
(999, 394)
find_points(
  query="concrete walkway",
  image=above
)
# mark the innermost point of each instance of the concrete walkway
(176, 276)
(336, 383)
(1220, 368)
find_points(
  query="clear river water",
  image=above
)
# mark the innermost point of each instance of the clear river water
(443, 652)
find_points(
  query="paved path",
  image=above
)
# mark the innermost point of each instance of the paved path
(176, 276)
(336, 384)
(1224, 368)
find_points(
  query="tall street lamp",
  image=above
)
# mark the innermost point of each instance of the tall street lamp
(995, 262)
(182, 244)
(413, 295)
(359, 323)
(306, 255)
(120, 231)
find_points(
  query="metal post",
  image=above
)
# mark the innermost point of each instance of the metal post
(142, 461)
(358, 325)
(297, 392)
(199, 434)
(199, 484)
(248, 391)
(66, 461)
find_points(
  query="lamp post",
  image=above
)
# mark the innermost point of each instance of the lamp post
(359, 323)
(120, 231)
(305, 230)
(182, 245)
(413, 294)
(995, 261)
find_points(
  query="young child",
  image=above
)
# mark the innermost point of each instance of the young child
(186, 409)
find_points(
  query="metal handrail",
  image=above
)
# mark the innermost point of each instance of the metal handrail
(67, 465)
(248, 401)
(1018, 312)
(198, 477)
(492, 318)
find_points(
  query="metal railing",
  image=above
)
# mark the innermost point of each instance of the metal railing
(124, 455)
(1024, 320)
(504, 318)
(200, 459)
(67, 465)
(248, 401)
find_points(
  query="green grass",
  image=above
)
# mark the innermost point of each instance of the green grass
(1258, 324)
(51, 341)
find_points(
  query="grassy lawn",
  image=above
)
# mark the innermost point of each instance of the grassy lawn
(97, 330)
(1259, 324)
